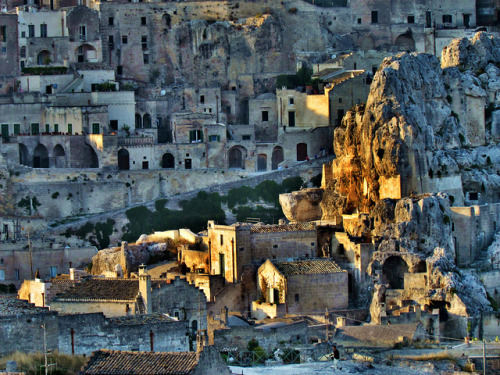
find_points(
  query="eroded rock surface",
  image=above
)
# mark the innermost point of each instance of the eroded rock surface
(303, 205)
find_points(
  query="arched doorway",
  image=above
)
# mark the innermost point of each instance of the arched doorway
(59, 157)
(24, 158)
(277, 157)
(123, 160)
(91, 157)
(138, 121)
(146, 121)
(168, 161)
(394, 270)
(262, 162)
(43, 58)
(405, 42)
(40, 157)
(237, 156)
(367, 43)
(301, 151)
(194, 326)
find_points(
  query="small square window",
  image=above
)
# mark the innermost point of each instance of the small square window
(290, 101)
(143, 21)
(265, 116)
(297, 297)
(202, 99)
(111, 21)
(447, 18)
(359, 21)
(124, 39)
(246, 137)
(145, 58)
(374, 16)
(4, 49)
(411, 19)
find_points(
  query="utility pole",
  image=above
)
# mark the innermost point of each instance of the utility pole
(45, 350)
(31, 255)
(484, 357)
(327, 321)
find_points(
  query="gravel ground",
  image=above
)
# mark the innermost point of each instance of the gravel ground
(348, 367)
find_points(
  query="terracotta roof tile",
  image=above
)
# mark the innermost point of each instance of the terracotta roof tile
(106, 289)
(113, 362)
(283, 228)
(307, 267)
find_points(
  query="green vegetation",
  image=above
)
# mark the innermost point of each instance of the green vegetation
(41, 70)
(196, 212)
(268, 192)
(106, 86)
(24, 203)
(11, 288)
(301, 78)
(55, 195)
(194, 215)
(316, 180)
(31, 364)
(493, 302)
(99, 233)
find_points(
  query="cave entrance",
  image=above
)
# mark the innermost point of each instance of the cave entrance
(394, 270)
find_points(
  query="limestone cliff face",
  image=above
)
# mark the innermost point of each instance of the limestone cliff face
(412, 133)
(303, 205)
(471, 54)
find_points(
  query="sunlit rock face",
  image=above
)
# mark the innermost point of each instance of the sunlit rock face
(303, 205)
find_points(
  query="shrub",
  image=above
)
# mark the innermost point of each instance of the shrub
(55, 195)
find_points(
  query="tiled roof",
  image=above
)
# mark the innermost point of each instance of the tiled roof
(307, 267)
(10, 305)
(376, 333)
(283, 228)
(106, 289)
(113, 362)
(141, 319)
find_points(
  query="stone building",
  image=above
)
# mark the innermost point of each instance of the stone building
(9, 45)
(305, 286)
(127, 297)
(23, 328)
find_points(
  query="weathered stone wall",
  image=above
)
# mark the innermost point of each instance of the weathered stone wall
(473, 229)
(94, 331)
(16, 259)
(238, 337)
(283, 245)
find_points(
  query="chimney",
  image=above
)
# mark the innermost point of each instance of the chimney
(341, 321)
(201, 340)
(72, 274)
(224, 315)
(145, 288)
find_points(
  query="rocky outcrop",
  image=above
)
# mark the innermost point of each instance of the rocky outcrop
(471, 54)
(412, 134)
(303, 205)
(129, 257)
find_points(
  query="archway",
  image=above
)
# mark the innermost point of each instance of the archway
(367, 43)
(394, 270)
(168, 161)
(92, 157)
(123, 160)
(138, 121)
(301, 151)
(43, 58)
(194, 326)
(237, 155)
(262, 162)
(40, 157)
(59, 157)
(405, 42)
(24, 158)
(85, 53)
(277, 157)
(146, 121)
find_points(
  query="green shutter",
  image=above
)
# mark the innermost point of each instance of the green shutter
(35, 129)
(17, 129)
(70, 128)
(56, 128)
(47, 128)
